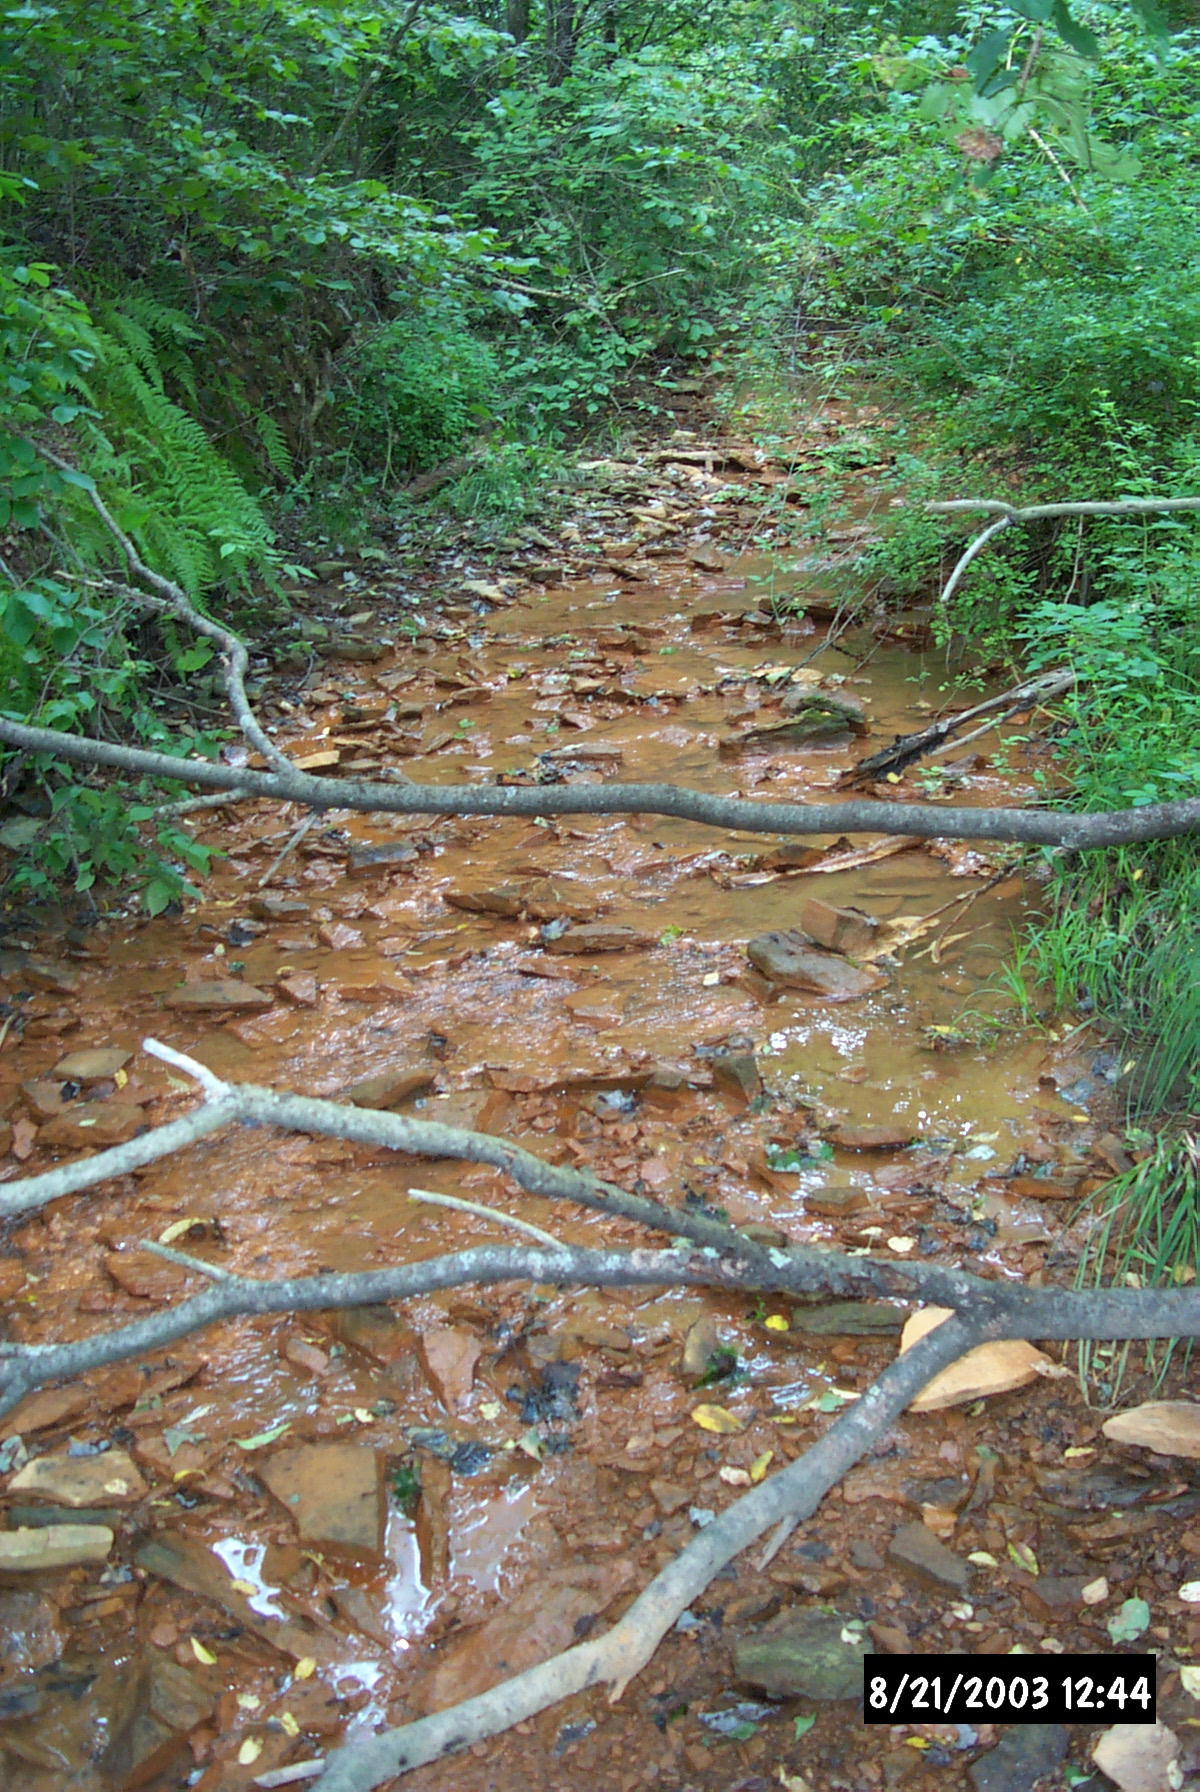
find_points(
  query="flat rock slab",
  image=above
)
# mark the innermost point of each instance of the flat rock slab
(1169, 1427)
(277, 908)
(377, 1332)
(165, 1702)
(736, 1077)
(988, 1369)
(802, 1654)
(872, 1138)
(91, 1066)
(187, 1562)
(390, 1088)
(788, 960)
(505, 900)
(849, 1319)
(836, 1203)
(1024, 1753)
(57, 1546)
(369, 861)
(600, 936)
(108, 1480)
(299, 988)
(333, 1493)
(448, 1355)
(220, 992)
(1139, 1757)
(915, 1548)
(838, 929)
(95, 1123)
(49, 1406)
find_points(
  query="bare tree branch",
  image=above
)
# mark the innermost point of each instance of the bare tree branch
(921, 821)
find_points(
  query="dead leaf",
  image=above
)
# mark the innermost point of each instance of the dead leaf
(716, 1418)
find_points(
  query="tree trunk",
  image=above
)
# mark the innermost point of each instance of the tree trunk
(516, 20)
(560, 40)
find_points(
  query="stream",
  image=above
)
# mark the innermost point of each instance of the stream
(277, 1583)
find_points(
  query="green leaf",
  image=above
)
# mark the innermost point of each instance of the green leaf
(803, 1725)
(988, 54)
(1130, 1622)
(263, 1437)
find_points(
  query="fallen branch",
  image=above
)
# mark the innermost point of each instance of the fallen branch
(906, 748)
(921, 821)
(706, 1253)
(1009, 514)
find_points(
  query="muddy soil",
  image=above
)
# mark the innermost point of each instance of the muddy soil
(326, 1525)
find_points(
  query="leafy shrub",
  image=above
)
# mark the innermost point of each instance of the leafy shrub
(416, 391)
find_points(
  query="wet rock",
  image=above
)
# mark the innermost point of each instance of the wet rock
(339, 936)
(50, 1406)
(94, 1123)
(333, 1493)
(826, 708)
(353, 648)
(29, 1630)
(880, 1137)
(390, 1088)
(448, 1356)
(836, 1203)
(54, 977)
(838, 929)
(298, 988)
(432, 1522)
(1138, 1757)
(111, 1479)
(505, 900)
(165, 1701)
(668, 1088)
(600, 936)
(18, 1699)
(374, 991)
(219, 993)
(188, 1563)
(44, 1098)
(36, 1518)
(771, 1238)
(736, 1078)
(1055, 1595)
(55, 1546)
(669, 1496)
(786, 959)
(273, 907)
(1169, 1427)
(355, 1608)
(698, 1346)
(377, 1332)
(849, 1319)
(306, 1356)
(707, 557)
(802, 1653)
(143, 1276)
(545, 1618)
(865, 1555)
(369, 861)
(915, 1548)
(893, 1639)
(1025, 1752)
(91, 1066)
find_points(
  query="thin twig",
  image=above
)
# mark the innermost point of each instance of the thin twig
(290, 848)
(212, 1270)
(427, 1197)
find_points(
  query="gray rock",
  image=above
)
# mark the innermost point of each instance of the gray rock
(1023, 1754)
(915, 1548)
(803, 1653)
(787, 958)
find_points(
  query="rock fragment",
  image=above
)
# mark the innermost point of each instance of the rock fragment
(216, 994)
(93, 1065)
(92, 1123)
(600, 936)
(915, 1548)
(449, 1354)
(803, 1653)
(390, 1088)
(333, 1493)
(1169, 1427)
(988, 1369)
(785, 958)
(1023, 1755)
(56, 1546)
(111, 1479)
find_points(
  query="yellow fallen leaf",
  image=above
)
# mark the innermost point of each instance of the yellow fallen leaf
(288, 1723)
(1078, 1450)
(202, 1654)
(760, 1465)
(306, 1667)
(176, 1229)
(710, 979)
(249, 1752)
(901, 1246)
(916, 1741)
(364, 1415)
(1096, 1591)
(715, 1418)
(1024, 1557)
(776, 1323)
(249, 1701)
(983, 1559)
(120, 1078)
(1189, 1679)
(735, 1477)
(244, 1586)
